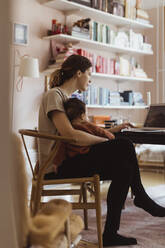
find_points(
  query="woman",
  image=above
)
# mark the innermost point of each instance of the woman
(113, 160)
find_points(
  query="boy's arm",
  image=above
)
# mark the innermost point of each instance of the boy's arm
(101, 131)
(93, 129)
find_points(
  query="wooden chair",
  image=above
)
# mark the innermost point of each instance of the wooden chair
(91, 184)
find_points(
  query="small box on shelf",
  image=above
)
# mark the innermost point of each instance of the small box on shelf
(127, 97)
(138, 99)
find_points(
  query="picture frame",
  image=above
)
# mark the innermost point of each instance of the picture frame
(20, 34)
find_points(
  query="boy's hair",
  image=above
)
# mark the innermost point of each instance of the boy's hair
(74, 108)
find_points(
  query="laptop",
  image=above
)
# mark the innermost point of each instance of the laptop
(154, 121)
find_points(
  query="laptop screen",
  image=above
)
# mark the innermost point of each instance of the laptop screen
(155, 116)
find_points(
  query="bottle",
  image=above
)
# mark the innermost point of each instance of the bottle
(148, 98)
(54, 26)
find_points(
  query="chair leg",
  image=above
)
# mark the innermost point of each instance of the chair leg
(84, 193)
(67, 232)
(81, 193)
(32, 197)
(98, 210)
(37, 200)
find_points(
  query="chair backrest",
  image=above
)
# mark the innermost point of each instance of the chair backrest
(39, 170)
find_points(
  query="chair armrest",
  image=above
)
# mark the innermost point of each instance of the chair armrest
(35, 133)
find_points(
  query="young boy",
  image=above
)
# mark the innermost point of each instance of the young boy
(75, 110)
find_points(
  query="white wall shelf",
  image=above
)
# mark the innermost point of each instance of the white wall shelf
(64, 39)
(106, 76)
(117, 107)
(121, 78)
(74, 8)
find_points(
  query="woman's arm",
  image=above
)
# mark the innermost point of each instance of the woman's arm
(65, 128)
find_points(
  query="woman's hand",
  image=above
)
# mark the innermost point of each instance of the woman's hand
(118, 128)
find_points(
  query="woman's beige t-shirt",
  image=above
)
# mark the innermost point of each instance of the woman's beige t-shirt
(52, 100)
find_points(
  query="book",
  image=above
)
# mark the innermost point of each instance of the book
(95, 33)
(128, 8)
(107, 30)
(99, 32)
(95, 4)
(124, 67)
(83, 2)
(104, 34)
(81, 34)
(104, 6)
(118, 9)
(99, 64)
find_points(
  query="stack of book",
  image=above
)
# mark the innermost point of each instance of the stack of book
(104, 97)
(80, 33)
(99, 96)
(62, 55)
(81, 28)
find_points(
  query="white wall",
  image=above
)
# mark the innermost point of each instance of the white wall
(38, 18)
(155, 65)
(13, 219)
(7, 223)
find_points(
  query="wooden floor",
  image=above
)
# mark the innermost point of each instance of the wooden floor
(149, 178)
(152, 178)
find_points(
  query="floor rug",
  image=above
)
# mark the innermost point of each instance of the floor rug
(149, 231)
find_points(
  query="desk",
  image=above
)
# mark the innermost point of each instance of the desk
(157, 138)
(146, 138)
